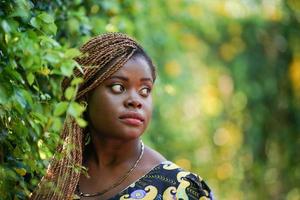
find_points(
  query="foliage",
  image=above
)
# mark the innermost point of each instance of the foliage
(227, 95)
(33, 63)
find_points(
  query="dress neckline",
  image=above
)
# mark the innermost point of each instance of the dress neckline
(138, 179)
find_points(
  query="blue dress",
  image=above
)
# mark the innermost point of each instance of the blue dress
(166, 181)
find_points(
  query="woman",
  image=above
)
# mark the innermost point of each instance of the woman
(118, 79)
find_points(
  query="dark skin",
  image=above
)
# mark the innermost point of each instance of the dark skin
(116, 143)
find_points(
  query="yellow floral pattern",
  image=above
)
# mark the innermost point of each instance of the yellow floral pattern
(166, 181)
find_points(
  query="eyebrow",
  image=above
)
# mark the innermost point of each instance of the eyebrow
(126, 79)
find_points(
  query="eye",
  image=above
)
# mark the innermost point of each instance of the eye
(145, 91)
(117, 88)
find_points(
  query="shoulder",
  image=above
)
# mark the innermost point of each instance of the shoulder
(154, 155)
(187, 185)
(152, 158)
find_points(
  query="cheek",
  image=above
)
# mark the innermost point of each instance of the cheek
(103, 101)
(102, 116)
(148, 109)
(102, 107)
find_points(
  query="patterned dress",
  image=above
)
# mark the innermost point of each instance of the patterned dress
(166, 181)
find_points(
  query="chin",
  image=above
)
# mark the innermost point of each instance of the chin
(131, 133)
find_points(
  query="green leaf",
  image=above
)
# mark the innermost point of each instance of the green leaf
(71, 53)
(52, 57)
(27, 62)
(22, 9)
(73, 25)
(35, 23)
(48, 42)
(15, 75)
(20, 98)
(51, 29)
(13, 64)
(36, 88)
(75, 109)
(21, 171)
(81, 122)
(27, 96)
(67, 68)
(69, 93)
(5, 26)
(42, 119)
(4, 96)
(60, 108)
(30, 78)
(76, 81)
(46, 18)
(56, 124)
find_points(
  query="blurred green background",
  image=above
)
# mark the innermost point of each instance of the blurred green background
(227, 99)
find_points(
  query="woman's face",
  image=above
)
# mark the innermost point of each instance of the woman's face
(121, 106)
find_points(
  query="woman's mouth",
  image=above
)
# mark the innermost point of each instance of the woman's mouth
(132, 118)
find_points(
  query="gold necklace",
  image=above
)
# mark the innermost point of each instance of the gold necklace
(81, 194)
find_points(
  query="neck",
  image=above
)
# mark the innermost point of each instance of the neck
(110, 152)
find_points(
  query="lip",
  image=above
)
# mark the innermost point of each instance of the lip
(132, 118)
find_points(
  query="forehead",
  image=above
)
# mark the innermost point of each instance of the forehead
(135, 66)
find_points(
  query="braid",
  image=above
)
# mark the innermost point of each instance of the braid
(101, 56)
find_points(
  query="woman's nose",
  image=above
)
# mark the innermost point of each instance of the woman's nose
(133, 102)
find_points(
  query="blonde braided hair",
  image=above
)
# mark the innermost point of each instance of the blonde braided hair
(101, 56)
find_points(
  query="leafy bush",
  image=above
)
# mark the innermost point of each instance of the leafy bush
(229, 76)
